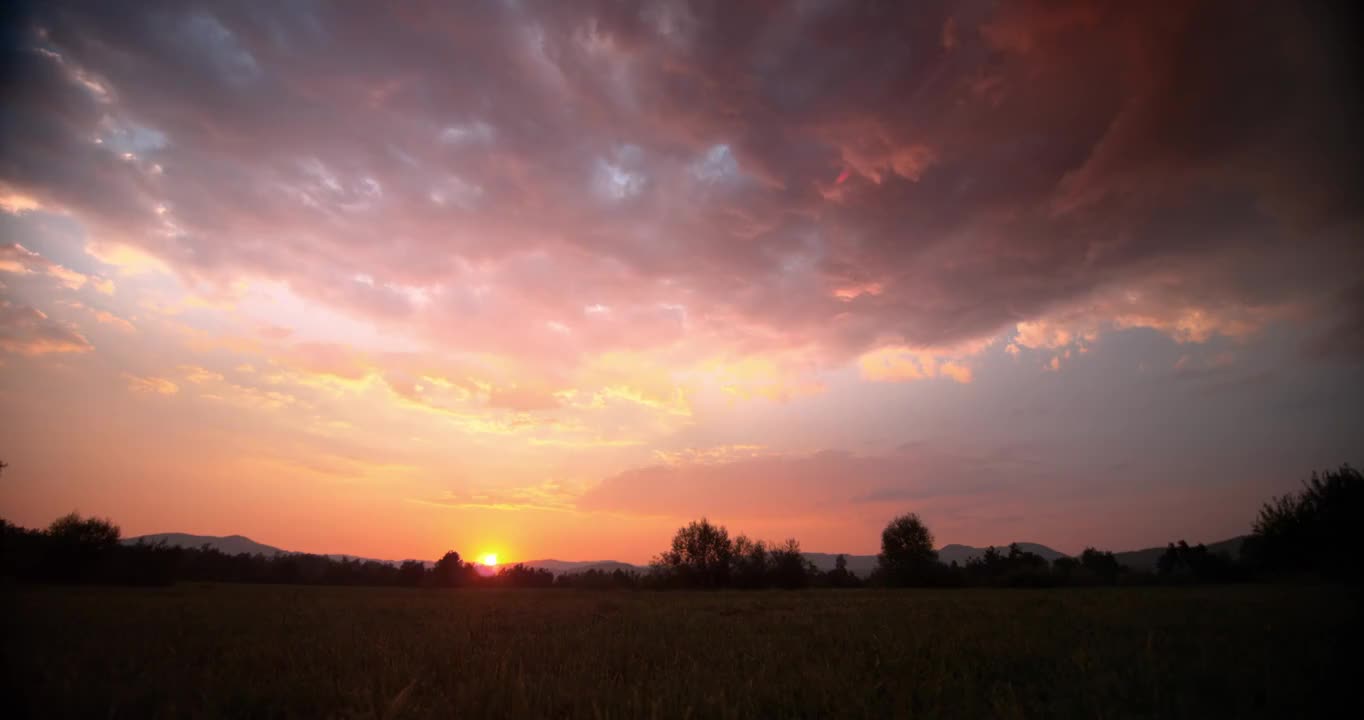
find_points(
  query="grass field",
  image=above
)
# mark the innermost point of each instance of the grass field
(274, 651)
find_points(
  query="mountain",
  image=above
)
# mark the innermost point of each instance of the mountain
(238, 544)
(230, 544)
(1145, 560)
(572, 567)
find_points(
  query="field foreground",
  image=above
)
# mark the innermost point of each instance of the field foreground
(277, 651)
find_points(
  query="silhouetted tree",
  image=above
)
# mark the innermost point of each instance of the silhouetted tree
(78, 547)
(1102, 565)
(1027, 569)
(840, 577)
(750, 563)
(21, 551)
(1016, 568)
(597, 579)
(700, 556)
(907, 556)
(1065, 566)
(1023, 559)
(1315, 530)
(1181, 563)
(450, 571)
(520, 576)
(411, 573)
(790, 569)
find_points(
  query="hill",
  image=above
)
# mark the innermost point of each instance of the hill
(229, 544)
(236, 545)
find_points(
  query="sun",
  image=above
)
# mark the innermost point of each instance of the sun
(489, 559)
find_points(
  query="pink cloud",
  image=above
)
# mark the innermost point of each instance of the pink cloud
(793, 486)
(151, 385)
(483, 226)
(27, 330)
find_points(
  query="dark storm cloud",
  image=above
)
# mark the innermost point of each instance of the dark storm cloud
(752, 176)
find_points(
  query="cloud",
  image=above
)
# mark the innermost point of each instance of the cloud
(28, 331)
(252, 398)
(15, 258)
(1168, 308)
(276, 332)
(710, 455)
(1343, 339)
(738, 181)
(826, 483)
(151, 384)
(901, 364)
(199, 375)
(550, 495)
(109, 318)
(522, 398)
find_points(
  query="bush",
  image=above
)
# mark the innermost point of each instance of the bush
(1319, 530)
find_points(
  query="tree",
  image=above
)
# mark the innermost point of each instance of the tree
(907, 556)
(790, 569)
(1315, 530)
(1183, 563)
(1016, 568)
(1103, 565)
(989, 564)
(450, 571)
(840, 576)
(77, 547)
(1168, 562)
(411, 573)
(700, 556)
(750, 563)
(520, 576)
(92, 532)
(1067, 570)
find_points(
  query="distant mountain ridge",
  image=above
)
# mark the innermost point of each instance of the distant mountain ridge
(230, 544)
(236, 545)
(860, 565)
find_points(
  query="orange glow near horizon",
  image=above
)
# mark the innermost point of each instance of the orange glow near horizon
(489, 559)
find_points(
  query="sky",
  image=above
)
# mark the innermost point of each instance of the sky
(551, 279)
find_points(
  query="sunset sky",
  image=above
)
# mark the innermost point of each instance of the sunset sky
(549, 279)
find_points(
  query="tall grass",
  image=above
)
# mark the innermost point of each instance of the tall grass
(271, 651)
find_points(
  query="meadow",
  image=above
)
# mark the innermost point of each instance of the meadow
(289, 651)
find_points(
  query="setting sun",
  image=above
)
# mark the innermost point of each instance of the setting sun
(489, 559)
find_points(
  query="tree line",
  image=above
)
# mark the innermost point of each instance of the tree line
(1312, 533)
